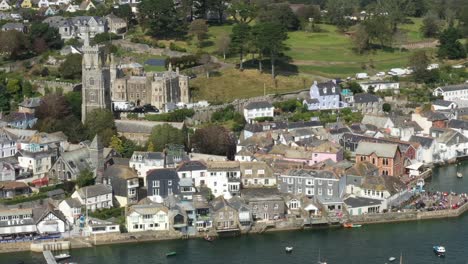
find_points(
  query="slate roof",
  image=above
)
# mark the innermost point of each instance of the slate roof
(94, 190)
(255, 166)
(120, 171)
(324, 174)
(447, 137)
(435, 116)
(148, 209)
(378, 121)
(458, 124)
(78, 160)
(270, 126)
(258, 105)
(355, 202)
(380, 149)
(380, 183)
(364, 98)
(161, 174)
(193, 165)
(364, 168)
(442, 102)
(31, 102)
(451, 88)
(425, 142)
(146, 155)
(73, 202)
(260, 193)
(312, 101)
(222, 165)
(13, 185)
(326, 88)
(41, 212)
(16, 116)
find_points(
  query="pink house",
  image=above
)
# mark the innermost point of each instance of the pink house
(327, 150)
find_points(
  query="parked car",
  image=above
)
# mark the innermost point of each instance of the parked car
(147, 108)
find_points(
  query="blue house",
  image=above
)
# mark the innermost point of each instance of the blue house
(324, 96)
(163, 182)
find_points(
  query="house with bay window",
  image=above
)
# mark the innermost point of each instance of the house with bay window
(147, 217)
(223, 179)
(260, 109)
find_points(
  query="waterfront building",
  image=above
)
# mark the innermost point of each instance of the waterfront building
(12, 189)
(387, 157)
(50, 220)
(450, 144)
(361, 205)
(17, 221)
(427, 150)
(71, 209)
(225, 216)
(266, 203)
(7, 171)
(95, 197)
(224, 178)
(147, 217)
(380, 86)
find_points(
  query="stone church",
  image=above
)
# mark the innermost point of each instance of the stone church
(104, 81)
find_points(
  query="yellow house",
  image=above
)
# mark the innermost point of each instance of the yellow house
(26, 4)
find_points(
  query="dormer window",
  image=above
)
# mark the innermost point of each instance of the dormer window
(324, 90)
(333, 90)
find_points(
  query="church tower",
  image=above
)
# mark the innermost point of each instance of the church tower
(95, 80)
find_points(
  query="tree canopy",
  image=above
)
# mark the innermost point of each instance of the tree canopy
(165, 134)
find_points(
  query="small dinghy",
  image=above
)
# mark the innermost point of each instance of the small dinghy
(439, 250)
(459, 175)
(289, 249)
(209, 238)
(391, 259)
(170, 254)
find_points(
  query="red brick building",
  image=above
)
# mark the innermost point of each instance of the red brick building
(387, 157)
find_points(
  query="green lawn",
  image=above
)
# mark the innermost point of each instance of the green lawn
(413, 30)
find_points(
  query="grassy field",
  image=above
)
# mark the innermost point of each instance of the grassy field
(233, 84)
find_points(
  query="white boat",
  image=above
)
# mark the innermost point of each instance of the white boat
(439, 250)
(391, 259)
(319, 260)
(62, 256)
(289, 249)
(459, 175)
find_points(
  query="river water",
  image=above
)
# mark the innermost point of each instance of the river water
(368, 244)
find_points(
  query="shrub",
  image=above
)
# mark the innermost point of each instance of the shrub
(174, 47)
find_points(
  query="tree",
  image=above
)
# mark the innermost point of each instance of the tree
(239, 40)
(163, 135)
(219, 6)
(4, 99)
(53, 106)
(116, 143)
(124, 12)
(100, 122)
(41, 34)
(306, 12)
(199, 29)
(104, 37)
(151, 147)
(160, 17)
(222, 44)
(243, 12)
(431, 25)
(361, 39)
(74, 101)
(86, 178)
(338, 10)
(450, 46)
(71, 67)
(419, 61)
(281, 14)
(378, 29)
(355, 87)
(14, 44)
(386, 107)
(396, 11)
(129, 147)
(215, 140)
(269, 39)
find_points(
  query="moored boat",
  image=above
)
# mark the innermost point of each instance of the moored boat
(439, 250)
(209, 238)
(289, 249)
(391, 259)
(62, 256)
(170, 254)
(459, 175)
(349, 225)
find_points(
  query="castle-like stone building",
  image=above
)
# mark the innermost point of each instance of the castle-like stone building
(105, 82)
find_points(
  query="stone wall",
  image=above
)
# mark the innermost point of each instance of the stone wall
(115, 238)
(51, 246)
(56, 86)
(15, 247)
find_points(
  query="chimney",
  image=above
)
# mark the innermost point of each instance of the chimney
(334, 81)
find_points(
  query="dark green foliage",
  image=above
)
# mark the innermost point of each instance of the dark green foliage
(178, 115)
(174, 47)
(100, 122)
(42, 32)
(239, 41)
(450, 46)
(71, 67)
(74, 101)
(228, 114)
(264, 119)
(86, 178)
(105, 214)
(431, 26)
(386, 107)
(24, 199)
(129, 147)
(161, 18)
(288, 106)
(104, 37)
(281, 14)
(162, 135)
(215, 140)
(148, 41)
(50, 188)
(183, 62)
(354, 87)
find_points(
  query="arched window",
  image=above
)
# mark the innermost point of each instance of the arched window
(91, 81)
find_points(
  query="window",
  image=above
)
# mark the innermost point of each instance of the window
(155, 191)
(276, 206)
(284, 180)
(261, 172)
(299, 190)
(155, 184)
(147, 217)
(255, 207)
(299, 181)
(310, 191)
(214, 184)
(330, 192)
(310, 182)
(319, 191)
(184, 175)
(266, 181)
(169, 191)
(265, 206)
(319, 182)
(248, 172)
(290, 180)
(385, 161)
(330, 183)
(255, 181)
(169, 183)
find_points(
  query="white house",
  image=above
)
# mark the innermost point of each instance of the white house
(427, 149)
(95, 197)
(98, 226)
(362, 205)
(443, 105)
(452, 92)
(143, 162)
(223, 178)
(71, 209)
(459, 126)
(36, 163)
(49, 220)
(450, 145)
(258, 109)
(148, 217)
(380, 86)
(326, 95)
(17, 221)
(5, 5)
